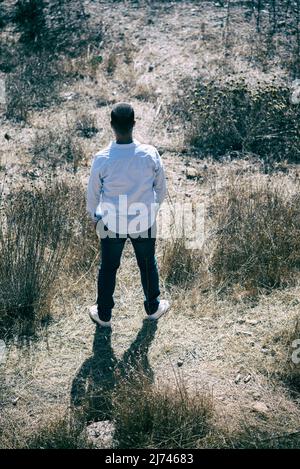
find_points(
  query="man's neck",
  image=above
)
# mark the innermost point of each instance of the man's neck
(124, 140)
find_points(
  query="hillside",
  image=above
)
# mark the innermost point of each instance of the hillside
(232, 345)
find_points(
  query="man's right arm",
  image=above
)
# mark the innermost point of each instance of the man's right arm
(160, 185)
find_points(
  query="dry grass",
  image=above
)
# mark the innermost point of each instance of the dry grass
(181, 266)
(257, 240)
(156, 416)
(57, 148)
(33, 242)
(239, 348)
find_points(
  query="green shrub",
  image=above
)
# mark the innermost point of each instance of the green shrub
(230, 116)
(30, 19)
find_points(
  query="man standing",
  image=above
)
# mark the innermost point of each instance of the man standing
(126, 187)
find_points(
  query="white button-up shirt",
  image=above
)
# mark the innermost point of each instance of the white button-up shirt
(127, 184)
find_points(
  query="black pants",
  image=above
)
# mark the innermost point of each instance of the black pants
(111, 252)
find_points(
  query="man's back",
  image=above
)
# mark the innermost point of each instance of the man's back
(127, 184)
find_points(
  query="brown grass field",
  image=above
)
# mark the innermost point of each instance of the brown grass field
(217, 371)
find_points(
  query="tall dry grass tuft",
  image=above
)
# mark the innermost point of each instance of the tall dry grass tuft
(34, 238)
(181, 266)
(154, 416)
(285, 343)
(52, 432)
(258, 236)
(58, 433)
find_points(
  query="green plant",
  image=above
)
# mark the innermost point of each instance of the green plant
(29, 17)
(58, 26)
(230, 116)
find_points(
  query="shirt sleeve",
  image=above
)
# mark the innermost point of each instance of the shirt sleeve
(94, 189)
(160, 186)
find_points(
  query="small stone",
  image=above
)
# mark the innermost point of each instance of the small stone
(252, 322)
(101, 433)
(260, 407)
(237, 378)
(191, 173)
(247, 333)
(256, 396)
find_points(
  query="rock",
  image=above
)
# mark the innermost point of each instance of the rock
(150, 68)
(191, 173)
(68, 96)
(100, 434)
(247, 333)
(179, 362)
(256, 395)
(260, 407)
(237, 378)
(252, 322)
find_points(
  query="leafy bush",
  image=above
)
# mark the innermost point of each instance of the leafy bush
(230, 116)
(258, 236)
(30, 19)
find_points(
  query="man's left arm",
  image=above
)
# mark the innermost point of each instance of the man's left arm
(93, 191)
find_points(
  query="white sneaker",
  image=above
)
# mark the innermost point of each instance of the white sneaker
(163, 307)
(94, 317)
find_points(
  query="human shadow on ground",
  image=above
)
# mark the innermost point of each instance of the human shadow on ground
(99, 375)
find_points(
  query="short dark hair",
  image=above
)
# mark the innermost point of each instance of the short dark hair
(122, 117)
